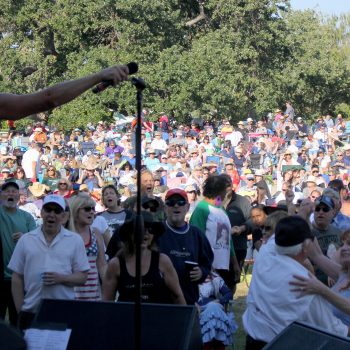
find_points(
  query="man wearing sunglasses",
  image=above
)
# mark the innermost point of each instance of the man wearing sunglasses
(183, 242)
(327, 234)
(47, 262)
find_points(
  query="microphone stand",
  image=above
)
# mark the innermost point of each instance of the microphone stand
(139, 224)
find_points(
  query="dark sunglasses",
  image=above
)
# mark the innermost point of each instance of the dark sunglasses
(150, 230)
(88, 209)
(56, 210)
(62, 183)
(152, 207)
(172, 203)
(324, 209)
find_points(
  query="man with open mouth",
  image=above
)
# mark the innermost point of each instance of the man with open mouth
(47, 262)
(14, 223)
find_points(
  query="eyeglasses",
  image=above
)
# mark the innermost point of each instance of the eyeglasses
(324, 209)
(88, 209)
(56, 210)
(250, 179)
(172, 203)
(205, 173)
(150, 230)
(315, 172)
(152, 207)
(62, 183)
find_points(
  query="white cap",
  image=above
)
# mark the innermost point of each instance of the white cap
(54, 198)
(249, 120)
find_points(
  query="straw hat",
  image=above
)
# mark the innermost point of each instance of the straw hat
(90, 164)
(38, 189)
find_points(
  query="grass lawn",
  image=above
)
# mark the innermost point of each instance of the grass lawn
(239, 306)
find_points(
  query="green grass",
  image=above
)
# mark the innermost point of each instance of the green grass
(239, 307)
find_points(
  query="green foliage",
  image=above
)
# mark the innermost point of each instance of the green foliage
(241, 57)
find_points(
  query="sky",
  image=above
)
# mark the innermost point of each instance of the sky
(328, 7)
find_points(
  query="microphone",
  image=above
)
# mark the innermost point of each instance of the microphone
(133, 68)
(139, 83)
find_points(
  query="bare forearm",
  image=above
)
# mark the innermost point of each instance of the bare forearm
(18, 106)
(75, 279)
(17, 288)
(338, 301)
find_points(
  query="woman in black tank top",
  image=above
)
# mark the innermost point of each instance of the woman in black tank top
(160, 283)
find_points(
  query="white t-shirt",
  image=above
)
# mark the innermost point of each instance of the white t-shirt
(33, 256)
(272, 306)
(234, 137)
(30, 156)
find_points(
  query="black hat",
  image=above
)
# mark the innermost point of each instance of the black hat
(8, 184)
(127, 228)
(291, 231)
(149, 203)
(327, 201)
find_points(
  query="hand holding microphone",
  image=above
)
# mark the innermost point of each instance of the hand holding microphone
(112, 76)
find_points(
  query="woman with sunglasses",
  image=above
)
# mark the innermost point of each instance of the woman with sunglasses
(51, 178)
(82, 210)
(160, 283)
(20, 179)
(64, 188)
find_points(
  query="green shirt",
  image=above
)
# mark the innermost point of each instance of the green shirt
(51, 182)
(18, 221)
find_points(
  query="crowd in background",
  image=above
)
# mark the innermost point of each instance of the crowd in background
(256, 171)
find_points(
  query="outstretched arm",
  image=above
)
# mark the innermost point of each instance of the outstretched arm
(15, 107)
(312, 285)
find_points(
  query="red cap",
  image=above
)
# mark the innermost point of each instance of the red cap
(178, 191)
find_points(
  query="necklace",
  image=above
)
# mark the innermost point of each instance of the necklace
(177, 231)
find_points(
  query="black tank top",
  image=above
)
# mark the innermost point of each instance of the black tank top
(153, 288)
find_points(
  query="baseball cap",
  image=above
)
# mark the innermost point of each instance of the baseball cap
(250, 177)
(53, 198)
(291, 231)
(177, 191)
(8, 184)
(327, 201)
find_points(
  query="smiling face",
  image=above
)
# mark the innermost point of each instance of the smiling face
(10, 197)
(344, 251)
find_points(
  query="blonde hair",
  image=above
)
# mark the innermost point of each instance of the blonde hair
(81, 200)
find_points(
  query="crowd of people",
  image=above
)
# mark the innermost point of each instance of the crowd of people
(214, 194)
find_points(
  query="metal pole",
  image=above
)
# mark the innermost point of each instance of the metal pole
(138, 227)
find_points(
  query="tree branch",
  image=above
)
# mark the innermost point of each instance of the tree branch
(201, 15)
